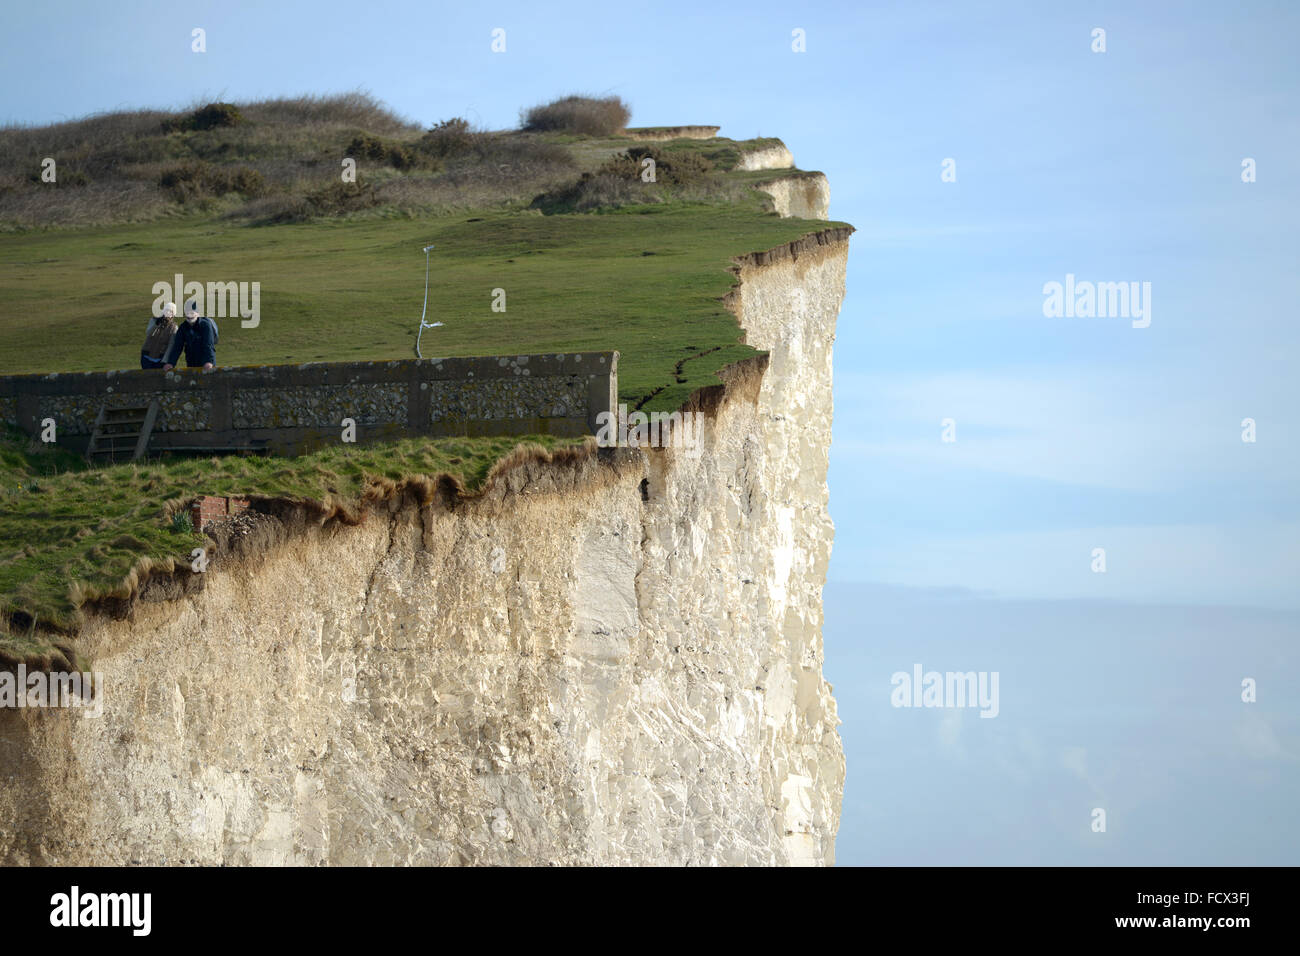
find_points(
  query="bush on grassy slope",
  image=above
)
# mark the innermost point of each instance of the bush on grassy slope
(588, 115)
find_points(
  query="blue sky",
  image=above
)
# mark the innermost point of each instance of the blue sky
(1132, 709)
(1072, 433)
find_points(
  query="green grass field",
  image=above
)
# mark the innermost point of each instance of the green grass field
(646, 280)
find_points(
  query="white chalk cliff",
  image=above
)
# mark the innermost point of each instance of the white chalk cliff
(615, 659)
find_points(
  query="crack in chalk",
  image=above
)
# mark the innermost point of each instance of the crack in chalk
(388, 550)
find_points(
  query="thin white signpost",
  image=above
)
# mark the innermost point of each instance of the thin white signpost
(423, 324)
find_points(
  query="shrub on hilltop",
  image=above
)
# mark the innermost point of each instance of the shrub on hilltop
(587, 115)
(679, 173)
(676, 168)
(212, 116)
(201, 180)
(448, 138)
(396, 155)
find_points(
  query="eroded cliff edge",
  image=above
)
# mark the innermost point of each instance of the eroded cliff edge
(606, 659)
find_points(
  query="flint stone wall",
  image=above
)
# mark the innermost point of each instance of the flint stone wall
(289, 409)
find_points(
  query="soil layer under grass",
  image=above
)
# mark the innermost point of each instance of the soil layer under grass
(69, 532)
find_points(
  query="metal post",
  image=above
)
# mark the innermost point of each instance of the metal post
(423, 324)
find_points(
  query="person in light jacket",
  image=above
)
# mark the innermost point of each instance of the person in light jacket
(197, 338)
(158, 335)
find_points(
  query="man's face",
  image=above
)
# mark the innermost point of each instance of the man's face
(191, 316)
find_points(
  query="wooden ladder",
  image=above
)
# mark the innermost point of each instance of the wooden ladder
(119, 431)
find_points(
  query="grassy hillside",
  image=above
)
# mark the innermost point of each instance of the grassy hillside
(590, 257)
(279, 161)
(645, 280)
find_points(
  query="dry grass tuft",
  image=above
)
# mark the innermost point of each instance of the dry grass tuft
(586, 115)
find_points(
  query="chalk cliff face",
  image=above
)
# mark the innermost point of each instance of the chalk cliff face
(771, 157)
(806, 196)
(615, 659)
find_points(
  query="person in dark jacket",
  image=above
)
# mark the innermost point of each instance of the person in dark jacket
(158, 335)
(197, 337)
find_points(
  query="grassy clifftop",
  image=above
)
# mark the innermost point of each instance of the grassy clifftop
(588, 255)
(646, 280)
